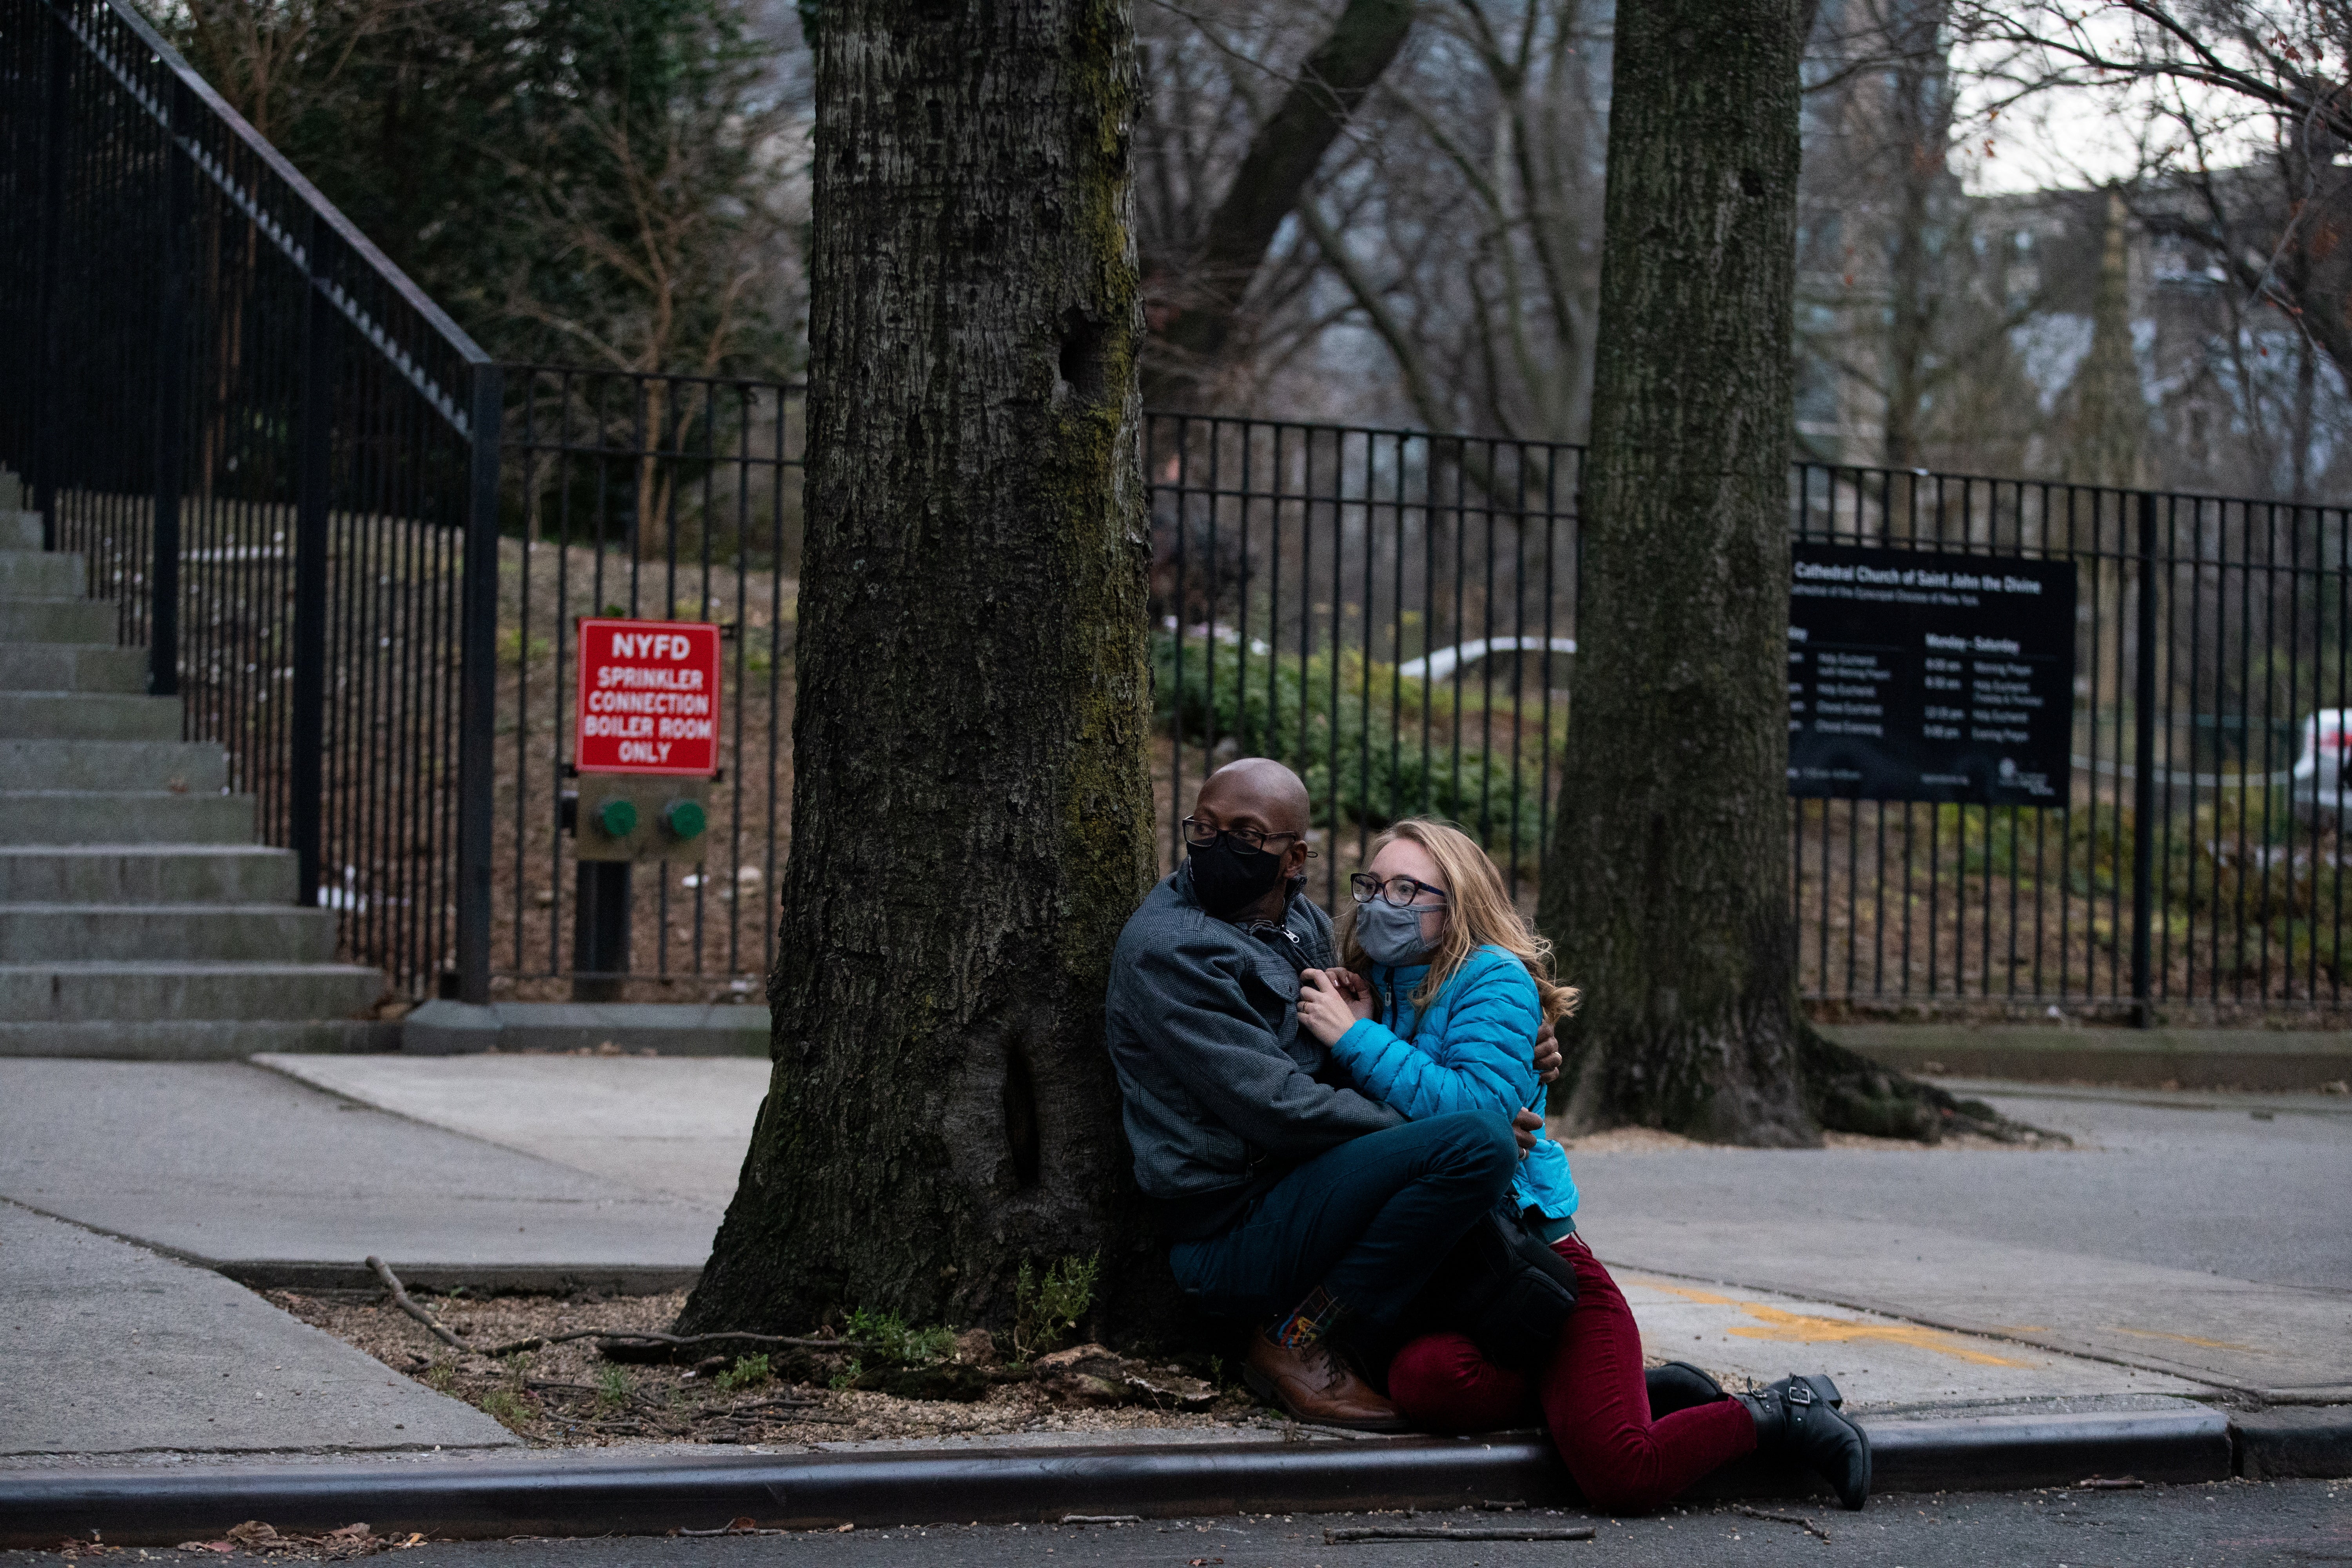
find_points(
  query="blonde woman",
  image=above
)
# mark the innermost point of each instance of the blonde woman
(1436, 1011)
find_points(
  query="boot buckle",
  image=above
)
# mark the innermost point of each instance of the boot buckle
(1799, 1392)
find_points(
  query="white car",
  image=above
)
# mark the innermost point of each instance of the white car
(1440, 665)
(2317, 782)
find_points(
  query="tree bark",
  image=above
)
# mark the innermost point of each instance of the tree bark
(971, 807)
(1667, 886)
(1282, 157)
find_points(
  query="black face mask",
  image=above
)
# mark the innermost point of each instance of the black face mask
(1226, 881)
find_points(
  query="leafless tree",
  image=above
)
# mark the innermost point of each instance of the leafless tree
(1468, 240)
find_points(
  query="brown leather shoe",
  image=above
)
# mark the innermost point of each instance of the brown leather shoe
(1313, 1385)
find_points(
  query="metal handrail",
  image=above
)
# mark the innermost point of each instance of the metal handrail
(372, 418)
(321, 211)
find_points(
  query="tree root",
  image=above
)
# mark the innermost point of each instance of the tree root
(1848, 1092)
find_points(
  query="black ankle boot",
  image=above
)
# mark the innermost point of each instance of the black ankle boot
(1800, 1418)
(1678, 1385)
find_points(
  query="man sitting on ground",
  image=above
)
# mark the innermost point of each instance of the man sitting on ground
(1290, 1197)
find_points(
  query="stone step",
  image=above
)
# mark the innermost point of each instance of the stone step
(177, 767)
(56, 620)
(126, 991)
(206, 933)
(123, 816)
(38, 573)
(19, 529)
(146, 874)
(196, 1039)
(71, 667)
(87, 716)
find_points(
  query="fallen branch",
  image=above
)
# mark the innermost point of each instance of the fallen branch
(640, 1337)
(541, 1342)
(400, 1299)
(1348, 1433)
(1470, 1532)
(1806, 1525)
(648, 1337)
(745, 1526)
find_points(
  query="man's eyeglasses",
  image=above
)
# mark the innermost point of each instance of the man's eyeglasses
(1398, 890)
(1248, 840)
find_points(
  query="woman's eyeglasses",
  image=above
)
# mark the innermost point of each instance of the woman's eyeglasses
(1398, 890)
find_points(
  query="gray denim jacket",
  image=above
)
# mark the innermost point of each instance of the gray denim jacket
(1222, 1091)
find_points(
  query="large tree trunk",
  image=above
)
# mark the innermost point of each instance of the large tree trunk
(971, 808)
(1667, 885)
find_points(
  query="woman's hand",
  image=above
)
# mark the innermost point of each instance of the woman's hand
(1356, 989)
(1323, 1012)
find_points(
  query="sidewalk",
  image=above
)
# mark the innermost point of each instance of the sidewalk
(2200, 1235)
(1997, 1316)
(274, 1182)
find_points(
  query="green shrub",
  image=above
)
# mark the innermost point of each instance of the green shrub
(889, 1342)
(747, 1370)
(1387, 749)
(1047, 1306)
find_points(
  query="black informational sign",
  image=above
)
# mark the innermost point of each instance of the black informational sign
(1917, 676)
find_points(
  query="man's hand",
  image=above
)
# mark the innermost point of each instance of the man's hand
(1547, 1054)
(1524, 1127)
(1323, 1012)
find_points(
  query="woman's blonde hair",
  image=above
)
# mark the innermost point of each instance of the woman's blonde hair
(1479, 914)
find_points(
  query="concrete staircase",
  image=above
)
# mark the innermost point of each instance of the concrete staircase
(136, 916)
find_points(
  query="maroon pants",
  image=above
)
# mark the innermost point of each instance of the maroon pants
(1593, 1395)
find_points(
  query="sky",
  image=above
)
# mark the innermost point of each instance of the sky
(2078, 136)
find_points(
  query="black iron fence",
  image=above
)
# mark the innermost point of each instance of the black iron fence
(667, 497)
(1394, 614)
(278, 457)
(2199, 857)
(1390, 610)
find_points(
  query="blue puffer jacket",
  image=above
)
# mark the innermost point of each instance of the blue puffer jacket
(1473, 1049)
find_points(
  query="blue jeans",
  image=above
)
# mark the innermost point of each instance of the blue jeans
(1368, 1221)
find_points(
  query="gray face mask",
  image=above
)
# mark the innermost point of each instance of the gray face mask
(1390, 936)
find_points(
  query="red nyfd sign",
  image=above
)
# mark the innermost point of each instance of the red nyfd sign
(649, 698)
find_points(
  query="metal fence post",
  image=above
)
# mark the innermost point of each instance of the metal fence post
(313, 454)
(50, 399)
(2144, 769)
(478, 687)
(171, 411)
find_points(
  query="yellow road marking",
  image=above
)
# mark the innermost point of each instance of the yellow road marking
(1798, 1328)
(2183, 1339)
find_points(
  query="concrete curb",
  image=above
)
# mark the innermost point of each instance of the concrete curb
(595, 1494)
(2283, 1442)
(478, 1279)
(2282, 1060)
(442, 1028)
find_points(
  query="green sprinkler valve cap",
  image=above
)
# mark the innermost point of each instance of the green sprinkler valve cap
(619, 818)
(685, 818)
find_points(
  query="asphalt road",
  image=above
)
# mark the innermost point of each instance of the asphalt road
(2229, 1525)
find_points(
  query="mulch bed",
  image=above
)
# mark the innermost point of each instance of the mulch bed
(573, 1395)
